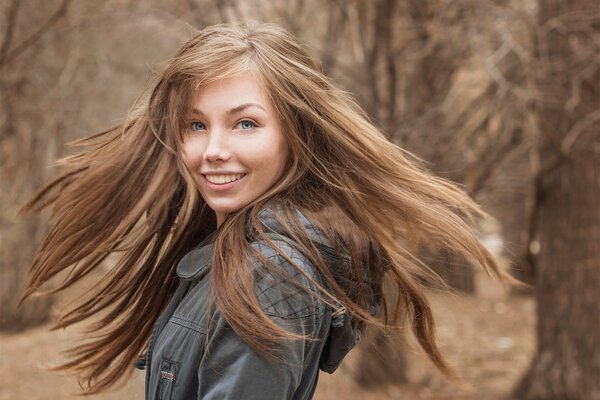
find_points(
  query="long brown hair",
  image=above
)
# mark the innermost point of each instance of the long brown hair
(129, 194)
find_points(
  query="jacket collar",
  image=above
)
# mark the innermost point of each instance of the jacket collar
(196, 263)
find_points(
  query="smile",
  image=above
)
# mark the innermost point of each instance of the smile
(223, 179)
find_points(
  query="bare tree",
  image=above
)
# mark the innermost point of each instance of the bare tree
(450, 82)
(58, 81)
(21, 156)
(566, 213)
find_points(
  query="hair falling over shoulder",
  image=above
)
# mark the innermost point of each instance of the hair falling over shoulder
(129, 196)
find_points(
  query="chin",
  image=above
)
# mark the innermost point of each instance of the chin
(226, 208)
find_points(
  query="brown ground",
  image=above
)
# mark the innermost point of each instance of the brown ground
(490, 341)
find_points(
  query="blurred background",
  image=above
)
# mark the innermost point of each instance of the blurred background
(500, 96)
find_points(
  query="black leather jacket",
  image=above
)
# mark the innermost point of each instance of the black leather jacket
(186, 359)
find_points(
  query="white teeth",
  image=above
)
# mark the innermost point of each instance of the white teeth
(222, 179)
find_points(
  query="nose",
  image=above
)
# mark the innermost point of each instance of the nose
(217, 148)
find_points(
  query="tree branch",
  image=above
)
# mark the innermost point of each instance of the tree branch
(16, 51)
(11, 24)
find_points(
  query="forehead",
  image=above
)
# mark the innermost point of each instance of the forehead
(230, 92)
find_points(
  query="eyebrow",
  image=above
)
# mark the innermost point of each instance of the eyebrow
(235, 109)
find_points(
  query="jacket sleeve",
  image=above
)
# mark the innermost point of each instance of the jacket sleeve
(231, 369)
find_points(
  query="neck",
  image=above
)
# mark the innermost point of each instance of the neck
(221, 217)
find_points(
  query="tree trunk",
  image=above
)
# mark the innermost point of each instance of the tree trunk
(382, 360)
(25, 147)
(17, 243)
(567, 362)
(456, 272)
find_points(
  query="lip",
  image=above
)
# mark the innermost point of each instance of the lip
(221, 173)
(225, 186)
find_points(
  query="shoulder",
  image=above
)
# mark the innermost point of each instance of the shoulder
(286, 281)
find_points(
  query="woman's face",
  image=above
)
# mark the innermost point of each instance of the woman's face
(234, 148)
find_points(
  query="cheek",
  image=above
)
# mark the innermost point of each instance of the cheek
(267, 163)
(283, 154)
(281, 161)
(275, 166)
(190, 158)
(187, 162)
(262, 155)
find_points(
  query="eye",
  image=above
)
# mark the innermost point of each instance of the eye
(247, 124)
(197, 126)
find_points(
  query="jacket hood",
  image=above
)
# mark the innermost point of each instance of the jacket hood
(267, 218)
(342, 336)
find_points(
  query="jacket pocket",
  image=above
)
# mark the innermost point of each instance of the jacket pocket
(166, 383)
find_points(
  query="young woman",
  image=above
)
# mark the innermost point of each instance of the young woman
(255, 212)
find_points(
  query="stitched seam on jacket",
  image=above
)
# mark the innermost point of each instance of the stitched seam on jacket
(294, 314)
(293, 317)
(188, 324)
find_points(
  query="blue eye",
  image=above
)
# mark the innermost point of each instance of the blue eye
(197, 126)
(247, 124)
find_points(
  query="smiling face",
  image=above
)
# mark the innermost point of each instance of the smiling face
(234, 148)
